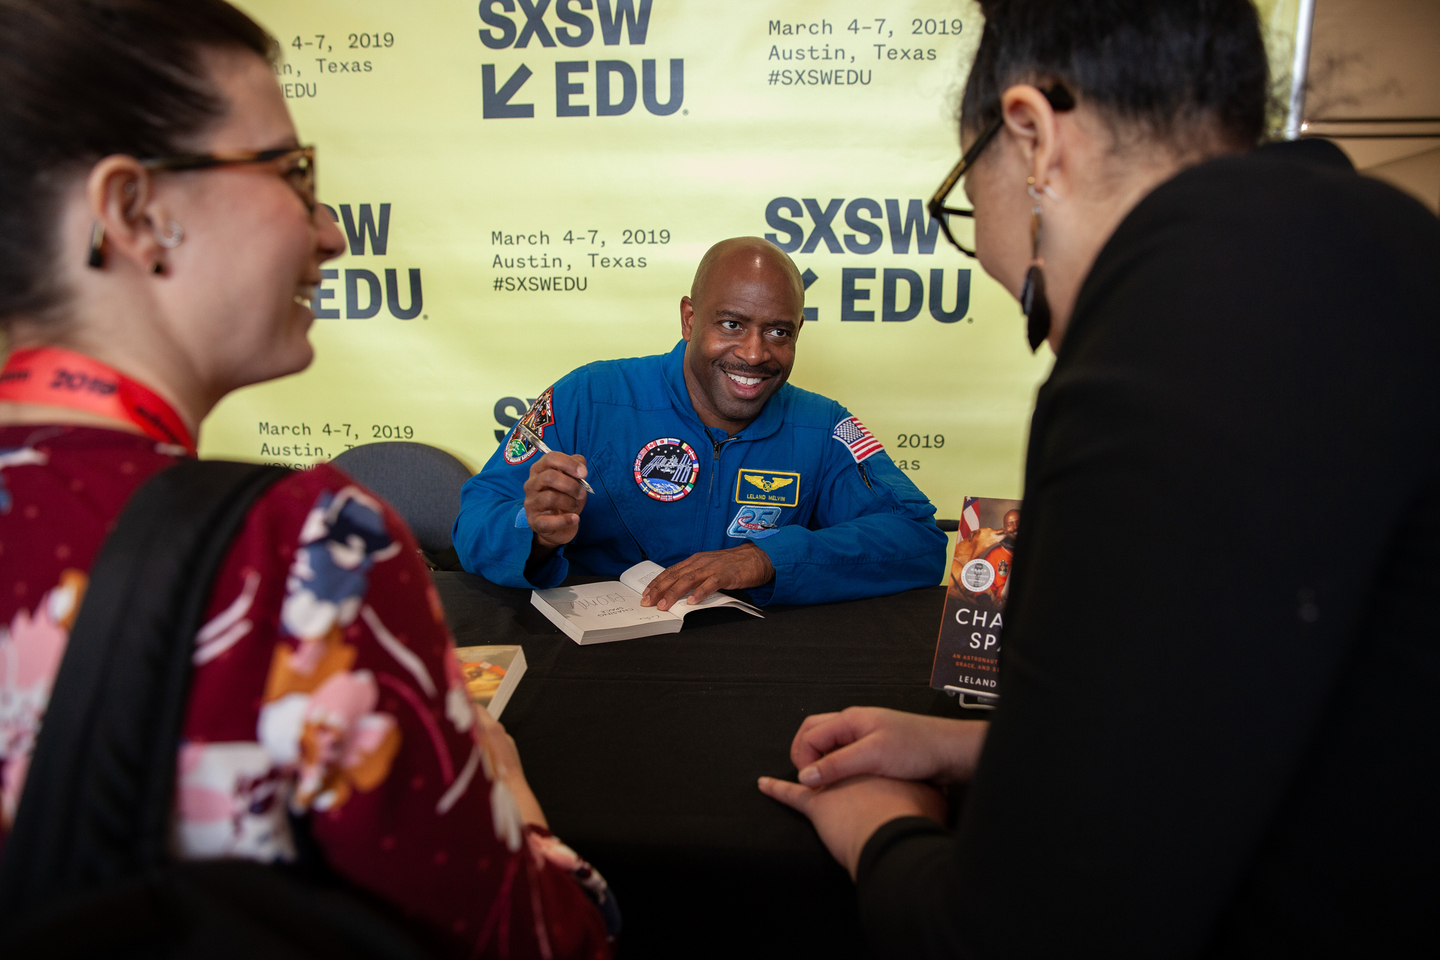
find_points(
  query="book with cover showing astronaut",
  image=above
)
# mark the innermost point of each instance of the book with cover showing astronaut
(967, 656)
(601, 612)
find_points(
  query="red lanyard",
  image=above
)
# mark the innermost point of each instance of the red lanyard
(63, 378)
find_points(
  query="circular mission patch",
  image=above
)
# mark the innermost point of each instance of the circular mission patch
(666, 469)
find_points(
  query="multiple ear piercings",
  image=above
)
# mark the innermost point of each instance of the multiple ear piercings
(173, 236)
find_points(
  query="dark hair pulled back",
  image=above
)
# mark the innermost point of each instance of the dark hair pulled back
(84, 79)
(1161, 65)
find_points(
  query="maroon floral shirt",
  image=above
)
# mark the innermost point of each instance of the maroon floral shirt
(324, 686)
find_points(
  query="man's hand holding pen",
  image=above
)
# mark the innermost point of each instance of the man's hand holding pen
(554, 497)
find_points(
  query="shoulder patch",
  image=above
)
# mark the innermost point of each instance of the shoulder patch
(859, 441)
(541, 414)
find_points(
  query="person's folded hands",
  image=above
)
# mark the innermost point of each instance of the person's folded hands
(848, 813)
(830, 747)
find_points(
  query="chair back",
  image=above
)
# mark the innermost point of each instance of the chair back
(421, 482)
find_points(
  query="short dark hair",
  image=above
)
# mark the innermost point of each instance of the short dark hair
(83, 79)
(1163, 65)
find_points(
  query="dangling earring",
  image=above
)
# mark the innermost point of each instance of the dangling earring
(1032, 294)
(97, 244)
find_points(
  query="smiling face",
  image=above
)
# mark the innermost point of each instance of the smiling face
(740, 324)
(242, 279)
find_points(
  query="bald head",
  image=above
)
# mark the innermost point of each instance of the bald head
(740, 256)
(740, 323)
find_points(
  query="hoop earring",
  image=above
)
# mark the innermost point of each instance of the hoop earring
(174, 236)
(1032, 294)
(96, 259)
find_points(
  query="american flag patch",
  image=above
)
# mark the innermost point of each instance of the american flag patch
(860, 442)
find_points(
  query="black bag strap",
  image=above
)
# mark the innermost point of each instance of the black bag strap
(98, 795)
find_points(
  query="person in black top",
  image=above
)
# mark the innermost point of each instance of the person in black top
(1234, 750)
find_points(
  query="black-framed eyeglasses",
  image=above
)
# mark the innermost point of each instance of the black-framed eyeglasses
(1059, 99)
(296, 165)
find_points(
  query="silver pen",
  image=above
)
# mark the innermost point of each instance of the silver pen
(521, 426)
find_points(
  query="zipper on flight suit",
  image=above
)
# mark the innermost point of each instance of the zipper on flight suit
(715, 468)
(710, 504)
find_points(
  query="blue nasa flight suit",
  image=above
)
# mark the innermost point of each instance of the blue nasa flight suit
(667, 486)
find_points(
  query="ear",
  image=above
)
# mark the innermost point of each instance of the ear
(687, 318)
(121, 198)
(1030, 120)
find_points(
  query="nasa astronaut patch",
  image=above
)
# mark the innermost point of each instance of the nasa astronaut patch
(666, 469)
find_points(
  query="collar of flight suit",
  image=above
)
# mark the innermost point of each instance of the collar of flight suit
(772, 415)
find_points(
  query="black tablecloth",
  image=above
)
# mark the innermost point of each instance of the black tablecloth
(644, 754)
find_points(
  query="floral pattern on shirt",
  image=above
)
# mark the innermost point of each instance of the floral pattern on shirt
(323, 688)
(31, 648)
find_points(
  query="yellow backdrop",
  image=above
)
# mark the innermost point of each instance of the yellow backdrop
(527, 186)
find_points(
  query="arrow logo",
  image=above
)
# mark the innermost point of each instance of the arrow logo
(497, 105)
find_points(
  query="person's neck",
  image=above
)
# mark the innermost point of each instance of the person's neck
(162, 370)
(716, 422)
(1090, 219)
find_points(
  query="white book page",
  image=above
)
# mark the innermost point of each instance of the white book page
(601, 606)
(638, 577)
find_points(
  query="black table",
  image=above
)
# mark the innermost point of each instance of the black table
(644, 754)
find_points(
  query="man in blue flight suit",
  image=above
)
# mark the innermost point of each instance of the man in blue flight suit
(706, 462)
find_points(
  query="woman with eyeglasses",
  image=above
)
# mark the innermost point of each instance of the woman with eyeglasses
(1217, 731)
(160, 243)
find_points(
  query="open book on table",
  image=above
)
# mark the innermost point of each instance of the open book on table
(601, 612)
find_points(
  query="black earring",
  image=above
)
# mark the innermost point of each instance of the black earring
(1032, 294)
(97, 243)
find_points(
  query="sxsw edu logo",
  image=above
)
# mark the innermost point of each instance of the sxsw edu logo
(363, 295)
(615, 84)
